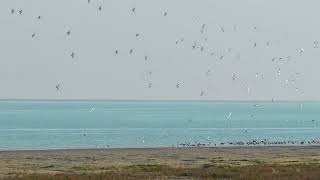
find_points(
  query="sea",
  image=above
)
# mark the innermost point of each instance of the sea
(42, 125)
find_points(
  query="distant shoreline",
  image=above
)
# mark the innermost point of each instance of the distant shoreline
(166, 148)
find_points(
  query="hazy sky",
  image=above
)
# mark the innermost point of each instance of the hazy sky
(30, 68)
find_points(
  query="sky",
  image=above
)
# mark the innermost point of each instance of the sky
(252, 49)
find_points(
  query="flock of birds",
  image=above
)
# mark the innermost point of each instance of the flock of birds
(201, 46)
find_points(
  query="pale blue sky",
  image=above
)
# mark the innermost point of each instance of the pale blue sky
(30, 68)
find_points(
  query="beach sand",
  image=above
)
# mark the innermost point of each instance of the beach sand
(164, 163)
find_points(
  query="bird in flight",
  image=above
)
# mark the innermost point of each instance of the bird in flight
(131, 51)
(73, 55)
(12, 11)
(133, 10)
(20, 12)
(39, 17)
(100, 8)
(202, 93)
(33, 35)
(116, 52)
(58, 86)
(68, 33)
(165, 14)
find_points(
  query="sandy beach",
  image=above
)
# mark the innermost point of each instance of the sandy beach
(164, 163)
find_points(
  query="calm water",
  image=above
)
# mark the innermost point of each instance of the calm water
(92, 124)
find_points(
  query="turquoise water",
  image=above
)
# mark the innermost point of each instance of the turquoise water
(97, 124)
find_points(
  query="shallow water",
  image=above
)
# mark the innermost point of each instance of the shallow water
(92, 124)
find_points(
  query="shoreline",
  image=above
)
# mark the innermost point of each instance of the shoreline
(165, 148)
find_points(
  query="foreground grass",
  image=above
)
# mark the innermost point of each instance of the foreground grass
(207, 171)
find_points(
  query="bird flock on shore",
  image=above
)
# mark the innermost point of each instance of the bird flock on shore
(202, 46)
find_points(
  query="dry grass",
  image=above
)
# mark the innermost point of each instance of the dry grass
(207, 171)
(169, 163)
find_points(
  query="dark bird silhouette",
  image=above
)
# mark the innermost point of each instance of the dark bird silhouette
(234, 77)
(12, 11)
(73, 55)
(58, 86)
(39, 17)
(68, 33)
(20, 12)
(133, 10)
(131, 51)
(33, 35)
(100, 8)
(138, 34)
(145, 58)
(165, 14)
(116, 52)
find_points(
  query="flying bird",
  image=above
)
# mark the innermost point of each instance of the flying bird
(99, 8)
(20, 12)
(73, 55)
(33, 35)
(165, 14)
(12, 11)
(68, 33)
(58, 86)
(301, 50)
(202, 93)
(133, 10)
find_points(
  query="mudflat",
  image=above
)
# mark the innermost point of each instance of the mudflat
(300, 162)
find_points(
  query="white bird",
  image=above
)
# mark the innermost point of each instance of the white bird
(230, 115)
(301, 50)
(229, 119)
